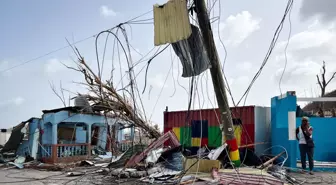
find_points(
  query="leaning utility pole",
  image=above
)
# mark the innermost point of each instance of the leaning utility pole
(217, 80)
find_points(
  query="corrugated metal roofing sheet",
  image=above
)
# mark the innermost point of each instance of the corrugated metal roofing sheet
(247, 176)
(179, 118)
(171, 22)
(182, 119)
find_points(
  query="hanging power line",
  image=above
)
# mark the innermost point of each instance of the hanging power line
(269, 52)
(71, 45)
(49, 53)
(286, 60)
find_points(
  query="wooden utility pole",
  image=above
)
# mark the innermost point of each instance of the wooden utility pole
(217, 80)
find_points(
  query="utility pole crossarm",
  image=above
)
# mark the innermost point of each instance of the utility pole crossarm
(218, 81)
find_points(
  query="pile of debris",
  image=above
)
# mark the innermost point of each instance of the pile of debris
(158, 164)
(163, 161)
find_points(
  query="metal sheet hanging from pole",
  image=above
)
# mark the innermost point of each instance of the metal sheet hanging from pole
(171, 22)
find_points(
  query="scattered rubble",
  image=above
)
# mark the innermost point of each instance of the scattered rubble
(159, 163)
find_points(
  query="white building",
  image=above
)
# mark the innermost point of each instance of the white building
(4, 135)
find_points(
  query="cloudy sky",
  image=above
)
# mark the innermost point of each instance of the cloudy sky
(34, 34)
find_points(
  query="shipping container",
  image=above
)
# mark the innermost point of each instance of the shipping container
(251, 123)
(182, 118)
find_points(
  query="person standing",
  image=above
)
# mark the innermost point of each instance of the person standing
(304, 135)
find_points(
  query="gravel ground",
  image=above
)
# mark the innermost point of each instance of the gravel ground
(38, 177)
(318, 178)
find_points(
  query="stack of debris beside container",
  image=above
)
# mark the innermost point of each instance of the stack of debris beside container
(164, 161)
(160, 163)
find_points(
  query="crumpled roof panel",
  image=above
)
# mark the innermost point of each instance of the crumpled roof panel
(15, 139)
(171, 22)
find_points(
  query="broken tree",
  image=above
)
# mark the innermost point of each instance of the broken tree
(105, 96)
(323, 83)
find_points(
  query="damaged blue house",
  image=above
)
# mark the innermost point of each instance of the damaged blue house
(62, 135)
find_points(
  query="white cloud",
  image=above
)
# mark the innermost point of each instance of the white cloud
(14, 101)
(238, 28)
(305, 53)
(18, 100)
(298, 73)
(55, 65)
(4, 65)
(321, 9)
(242, 80)
(107, 12)
(245, 66)
(158, 81)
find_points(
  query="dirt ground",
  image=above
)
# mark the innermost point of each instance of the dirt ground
(318, 178)
(37, 177)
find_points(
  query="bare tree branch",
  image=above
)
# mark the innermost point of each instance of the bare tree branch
(106, 97)
(318, 81)
(53, 88)
(322, 81)
(71, 67)
(331, 78)
(62, 93)
(323, 74)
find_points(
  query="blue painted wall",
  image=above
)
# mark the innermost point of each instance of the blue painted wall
(325, 144)
(324, 130)
(47, 133)
(24, 148)
(81, 135)
(49, 123)
(51, 120)
(280, 106)
(26, 145)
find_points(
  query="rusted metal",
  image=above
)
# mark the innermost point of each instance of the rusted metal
(169, 136)
(254, 144)
(179, 118)
(248, 179)
(271, 160)
(54, 158)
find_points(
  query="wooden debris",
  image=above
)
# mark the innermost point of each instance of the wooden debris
(267, 163)
(200, 165)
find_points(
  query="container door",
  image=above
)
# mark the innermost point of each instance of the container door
(199, 133)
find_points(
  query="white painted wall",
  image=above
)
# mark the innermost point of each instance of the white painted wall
(262, 124)
(4, 137)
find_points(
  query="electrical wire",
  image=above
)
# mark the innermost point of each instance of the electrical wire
(286, 60)
(70, 45)
(173, 77)
(269, 52)
(227, 86)
(290, 7)
(163, 86)
(44, 55)
(285, 66)
(149, 62)
(191, 93)
(226, 80)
